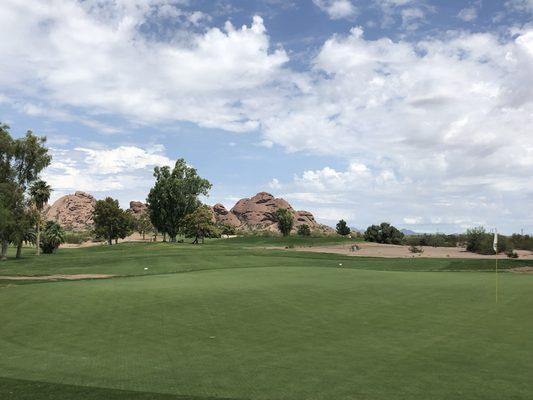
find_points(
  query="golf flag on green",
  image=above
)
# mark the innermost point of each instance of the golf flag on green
(495, 247)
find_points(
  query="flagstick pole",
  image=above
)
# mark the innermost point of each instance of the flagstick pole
(496, 278)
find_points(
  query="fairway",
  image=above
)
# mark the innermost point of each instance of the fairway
(265, 325)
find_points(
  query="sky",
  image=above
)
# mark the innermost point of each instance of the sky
(415, 112)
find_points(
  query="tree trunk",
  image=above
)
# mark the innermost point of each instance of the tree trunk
(3, 256)
(164, 237)
(116, 240)
(195, 240)
(110, 241)
(143, 235)
(38, 250)
(19, 249)
(173, 239)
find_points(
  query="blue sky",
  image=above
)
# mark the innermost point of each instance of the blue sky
(415, 112)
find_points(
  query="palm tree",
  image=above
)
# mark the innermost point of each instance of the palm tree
(40, 194)
(54, 236)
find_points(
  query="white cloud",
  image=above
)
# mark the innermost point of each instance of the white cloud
(123, 159)
(104, 170)
(467, 14)
(94, 57)
(443, 121)
(337, 9)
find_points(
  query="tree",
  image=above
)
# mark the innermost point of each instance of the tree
(199, 224)
(143, 225)
(174, 196)
(110, 221)
(53, 237)
(475, 238)
(40, 194)
(342, 228)
(21, 162)
(285, 221)
(383, 233)
(304, 230)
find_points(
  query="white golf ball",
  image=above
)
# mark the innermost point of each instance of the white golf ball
(145, 269)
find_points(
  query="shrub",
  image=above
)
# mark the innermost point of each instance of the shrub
(77, 237)
(285, 221)
(227, 229)
(304, 230)
(511, 253)
(475, 238)
(416, 249)
(383, 233)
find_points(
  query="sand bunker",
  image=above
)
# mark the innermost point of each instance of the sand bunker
(56, 277)
(367, 249)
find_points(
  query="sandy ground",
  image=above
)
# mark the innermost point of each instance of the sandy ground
(55, 277)
(367, 249)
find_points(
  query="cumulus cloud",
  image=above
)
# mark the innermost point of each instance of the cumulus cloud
(443, 121)
(442, 114)
(102, 170)
(94, 56)
(337, 9)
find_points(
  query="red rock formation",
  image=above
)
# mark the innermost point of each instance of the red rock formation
(73, 211)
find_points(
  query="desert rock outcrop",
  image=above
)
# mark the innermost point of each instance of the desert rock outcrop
(73, 211)
(138, 208)
(259, 213)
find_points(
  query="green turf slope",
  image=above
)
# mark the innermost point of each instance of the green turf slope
(275, 332)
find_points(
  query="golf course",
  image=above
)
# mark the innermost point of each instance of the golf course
(232, 319)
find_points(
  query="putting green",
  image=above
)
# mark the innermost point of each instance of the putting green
(270, 333)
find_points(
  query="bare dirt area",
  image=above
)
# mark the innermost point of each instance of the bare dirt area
(367, 249)
(56, 277)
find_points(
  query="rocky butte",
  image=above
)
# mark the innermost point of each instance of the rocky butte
(257, 213)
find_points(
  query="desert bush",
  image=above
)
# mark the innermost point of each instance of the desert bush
(522, 242)
(226, 229)
(73, 237)
(304, 230)
(285, 220)
(416, 249)
(511, 253)
(433, 240)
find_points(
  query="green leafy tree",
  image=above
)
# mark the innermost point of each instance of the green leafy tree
(174, 196)
(342, 228)
(227, 229)
(199, 224)
(383, 233)
(475, 238)
(40, 194)
(126, 225)
(304, 230)
(143, 225)
(285, 221)
(110, 221)
(53, 236)
(21, 162)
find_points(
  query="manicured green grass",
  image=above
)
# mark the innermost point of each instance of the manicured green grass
(246, 323)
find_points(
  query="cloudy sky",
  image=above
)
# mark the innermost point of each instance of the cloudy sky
(416, 112)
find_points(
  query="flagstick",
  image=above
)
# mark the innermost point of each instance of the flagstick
(496, 278)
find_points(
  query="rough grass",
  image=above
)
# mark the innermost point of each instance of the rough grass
(257, 324)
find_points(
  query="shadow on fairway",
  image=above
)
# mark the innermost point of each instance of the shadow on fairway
(16, 389)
